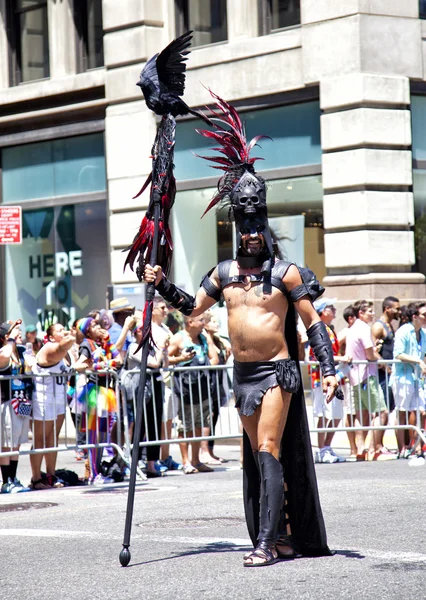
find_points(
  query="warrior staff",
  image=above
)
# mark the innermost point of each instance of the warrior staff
(162, 81)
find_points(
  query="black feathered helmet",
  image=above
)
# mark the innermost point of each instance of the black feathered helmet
(240, 187)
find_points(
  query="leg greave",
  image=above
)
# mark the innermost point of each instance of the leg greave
(271, 496)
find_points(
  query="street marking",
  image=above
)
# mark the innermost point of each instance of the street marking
(370, 553)
(56, 533)
(394, 556)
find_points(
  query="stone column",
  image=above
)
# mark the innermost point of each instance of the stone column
(243, 19)
(62, 39)
(363, 54)
(367, 178)
(131, 36)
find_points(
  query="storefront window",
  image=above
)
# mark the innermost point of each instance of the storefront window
(61, 270)
(419, 189)
(64, 167)
(295, 217)
(294, 129)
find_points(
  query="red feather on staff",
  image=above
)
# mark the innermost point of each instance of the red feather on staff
(162, 181)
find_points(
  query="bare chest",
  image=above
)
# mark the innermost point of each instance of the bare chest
(249, 294)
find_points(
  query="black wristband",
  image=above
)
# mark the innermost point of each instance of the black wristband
(320, 343)
(176, 297)
(11, 340)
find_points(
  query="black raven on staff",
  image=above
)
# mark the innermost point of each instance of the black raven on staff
(162, 79)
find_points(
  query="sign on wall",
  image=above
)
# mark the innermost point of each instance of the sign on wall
(10, 225)
(60, 271)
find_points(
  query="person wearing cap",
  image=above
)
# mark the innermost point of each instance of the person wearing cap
(124, 323)
(14, 426)
(31, 338)
(330, 414)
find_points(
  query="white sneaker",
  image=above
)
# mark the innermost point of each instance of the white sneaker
(327, 457)
(101, 480)
(416, 461)
(13, 487)
(340, 459)
(18, 487)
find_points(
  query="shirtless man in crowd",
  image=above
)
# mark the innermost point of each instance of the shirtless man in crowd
(261, 294)
(262, 340)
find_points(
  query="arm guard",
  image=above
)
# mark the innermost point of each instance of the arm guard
(176, 297)
(320, 343)
(210, 288)
(310, 286)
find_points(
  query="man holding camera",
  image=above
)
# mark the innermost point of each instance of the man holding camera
(125, 321)
(191, 348)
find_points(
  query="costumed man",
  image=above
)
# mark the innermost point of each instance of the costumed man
(261, 296)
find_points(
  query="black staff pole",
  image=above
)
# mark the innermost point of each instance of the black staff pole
(125, 555)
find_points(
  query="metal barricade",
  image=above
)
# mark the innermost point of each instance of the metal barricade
(191, 404)
(198, 401)
(52, 398)
(373, 391)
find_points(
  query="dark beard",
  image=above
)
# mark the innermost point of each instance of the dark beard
(248, 260)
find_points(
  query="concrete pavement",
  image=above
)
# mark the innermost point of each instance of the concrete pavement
(189, 536)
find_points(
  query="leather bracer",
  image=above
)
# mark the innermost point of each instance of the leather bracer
(176, 297)
(320, 343)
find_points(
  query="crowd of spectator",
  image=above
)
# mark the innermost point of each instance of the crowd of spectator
(374, 392)
(76, 370)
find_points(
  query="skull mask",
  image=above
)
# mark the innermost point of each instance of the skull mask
(248, 204)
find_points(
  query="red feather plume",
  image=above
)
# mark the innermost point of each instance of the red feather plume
(229, 132)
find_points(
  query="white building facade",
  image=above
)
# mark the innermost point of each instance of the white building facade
(339, 86)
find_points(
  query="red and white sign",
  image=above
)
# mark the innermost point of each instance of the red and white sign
(10, 225)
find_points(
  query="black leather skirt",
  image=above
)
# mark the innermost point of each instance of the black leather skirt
(253, 379)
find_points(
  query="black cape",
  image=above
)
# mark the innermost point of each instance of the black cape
(303, 506)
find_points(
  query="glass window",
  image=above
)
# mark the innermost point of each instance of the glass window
(422, 9)
(418, 126)
(64, 167)
(295, 217)
(284, 13)
(278, 14)
(419, 190)
(88, 21)
(29, 40)
(294, 129)
(60, 271)
(207, 19)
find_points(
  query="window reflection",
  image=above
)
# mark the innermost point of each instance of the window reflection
(61, 269)
(278, 14)
(284, 13)
(88, 21)
(63, 167)
(207, 19)
(29, 40)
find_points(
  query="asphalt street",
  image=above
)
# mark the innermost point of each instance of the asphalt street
(189, 538)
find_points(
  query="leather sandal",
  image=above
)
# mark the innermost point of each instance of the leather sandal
(266, 551)
(284, 540)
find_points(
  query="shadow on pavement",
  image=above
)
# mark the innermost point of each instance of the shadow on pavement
(212, 548)
(350, 554)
